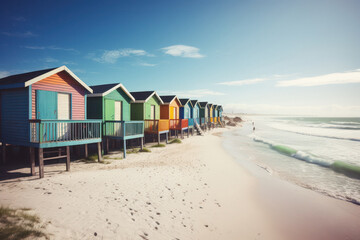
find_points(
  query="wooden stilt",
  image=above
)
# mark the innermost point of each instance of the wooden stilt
(124, 148)
(99, 152)
(86, 151)
(67, 158)
(141, 143)
(41, 162)
(182, 134)
(167, 138)
(32, 161)
(188, 132)
(158, 138)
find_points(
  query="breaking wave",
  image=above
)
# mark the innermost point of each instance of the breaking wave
(347, 169)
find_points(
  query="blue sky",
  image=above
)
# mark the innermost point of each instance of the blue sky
(279, 57)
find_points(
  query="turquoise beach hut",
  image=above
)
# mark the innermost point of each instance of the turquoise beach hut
(186, 113)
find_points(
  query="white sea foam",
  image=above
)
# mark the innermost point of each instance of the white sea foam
(335, 133)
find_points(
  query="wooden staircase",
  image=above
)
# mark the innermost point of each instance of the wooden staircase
(198, 128)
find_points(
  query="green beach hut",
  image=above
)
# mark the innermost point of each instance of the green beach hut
(146, 107)
(112, 104)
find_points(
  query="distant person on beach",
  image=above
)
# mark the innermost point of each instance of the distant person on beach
(253, 126)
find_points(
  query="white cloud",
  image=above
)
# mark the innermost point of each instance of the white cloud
(4, 74)
(19, 34)
(147, 64)
(327, 79)
(111, 56)
(243, 82)
(50, 60)
(183, 51)
(50, 48)
(19, 19)
(192, 93)
(324, 110)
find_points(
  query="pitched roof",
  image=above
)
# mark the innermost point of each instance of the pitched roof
(193, 102)
(143, 96)
(104, 89)
(184, 101)
(26, 79)
(210, 105)
(215, 106)
(23, 77)
(168, 99)
(203, 104)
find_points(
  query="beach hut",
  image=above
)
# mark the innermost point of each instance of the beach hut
(203, 115)
(195, 111)
(196, 115)
(170, 110)
(112, 104)
(46, 109)
(186, 113)
(220, 117)
(210, 115)
(146, 107)
(215, 115)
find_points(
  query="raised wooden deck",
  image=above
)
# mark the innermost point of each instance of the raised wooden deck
(60, 133)
(178, 124)
(124, 129)
(156, 126)
(190, 122)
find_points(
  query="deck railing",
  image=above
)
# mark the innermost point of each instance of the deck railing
(215, 119)
(48, 131)
(156, 126)
(211, 119)
(190, 122)
(178, 124)
(123, 129)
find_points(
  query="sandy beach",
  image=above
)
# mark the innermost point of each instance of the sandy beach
(192, 190)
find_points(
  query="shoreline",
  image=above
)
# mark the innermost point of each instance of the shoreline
(192, 190)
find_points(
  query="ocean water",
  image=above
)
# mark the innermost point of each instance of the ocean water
(322, 154)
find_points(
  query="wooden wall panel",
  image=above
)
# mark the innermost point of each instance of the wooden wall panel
(62, 82)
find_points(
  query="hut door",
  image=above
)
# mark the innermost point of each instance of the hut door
(46, 104)
(174, 109)
(109, 110)
(118, 111)
(63, 109)
(152, 113)
(63, 106)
